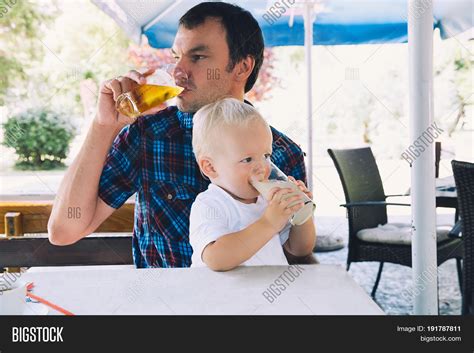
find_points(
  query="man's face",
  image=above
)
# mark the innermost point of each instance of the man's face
(243, 153)
(202, 53)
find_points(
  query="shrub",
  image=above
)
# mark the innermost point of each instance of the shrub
(40, 138)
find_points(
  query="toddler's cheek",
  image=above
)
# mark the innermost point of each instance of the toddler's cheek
(267, 173)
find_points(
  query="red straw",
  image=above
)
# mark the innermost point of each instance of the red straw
(45, 302)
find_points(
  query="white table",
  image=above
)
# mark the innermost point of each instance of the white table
(318, 290)
(446, 187)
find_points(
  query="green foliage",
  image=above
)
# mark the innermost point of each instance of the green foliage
(54, 46)
(22, 24)
(87, 44)
(23, 18)
(9, 69)
(463, 64)
(40, 138)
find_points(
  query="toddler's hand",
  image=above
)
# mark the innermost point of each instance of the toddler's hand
(278, 212)
(301, 186)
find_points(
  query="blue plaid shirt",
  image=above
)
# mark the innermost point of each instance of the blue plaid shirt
(153, 158)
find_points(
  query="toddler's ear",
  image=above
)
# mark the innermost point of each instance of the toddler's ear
(207, 168)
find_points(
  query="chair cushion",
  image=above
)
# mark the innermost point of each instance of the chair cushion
(397, 233)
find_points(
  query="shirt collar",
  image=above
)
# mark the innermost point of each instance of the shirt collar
(185, 119)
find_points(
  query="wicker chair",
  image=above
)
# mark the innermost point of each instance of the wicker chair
(367, 209)
(464, 178)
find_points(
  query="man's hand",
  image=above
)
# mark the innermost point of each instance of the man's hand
(107, 115)
(277, 213)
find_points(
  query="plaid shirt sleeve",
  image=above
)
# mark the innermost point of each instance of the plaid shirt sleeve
(120, 176)
(288, 156)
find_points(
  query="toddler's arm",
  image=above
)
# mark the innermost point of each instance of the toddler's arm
(231, 250)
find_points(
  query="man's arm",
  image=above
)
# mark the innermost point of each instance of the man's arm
(77, 209)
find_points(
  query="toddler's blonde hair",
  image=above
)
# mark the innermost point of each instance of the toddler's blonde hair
(210, 119)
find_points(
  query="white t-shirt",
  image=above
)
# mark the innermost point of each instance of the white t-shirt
(215, 213)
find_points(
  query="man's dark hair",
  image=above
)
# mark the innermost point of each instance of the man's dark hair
(244, 36)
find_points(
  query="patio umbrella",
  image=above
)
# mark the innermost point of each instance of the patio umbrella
(334, 22)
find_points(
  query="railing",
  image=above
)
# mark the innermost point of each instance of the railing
(24, 241)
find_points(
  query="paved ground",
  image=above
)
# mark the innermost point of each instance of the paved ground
(395, 279)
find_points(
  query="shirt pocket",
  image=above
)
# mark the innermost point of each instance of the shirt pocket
(172, 192)
(169, 214)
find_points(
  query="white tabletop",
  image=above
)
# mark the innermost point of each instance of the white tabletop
(445, 187)
(317, 290)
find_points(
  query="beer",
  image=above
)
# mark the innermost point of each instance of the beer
(162, 85)
(145, 97)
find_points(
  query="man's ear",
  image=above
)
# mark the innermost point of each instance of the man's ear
(207, 167)
(245, 68)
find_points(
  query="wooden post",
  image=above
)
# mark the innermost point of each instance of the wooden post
(13, 224)
(13, 228)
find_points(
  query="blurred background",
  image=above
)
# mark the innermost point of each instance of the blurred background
(55, 54)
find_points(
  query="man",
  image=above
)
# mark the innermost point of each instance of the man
(220, 47)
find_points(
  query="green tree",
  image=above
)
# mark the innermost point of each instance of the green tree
(22, 23)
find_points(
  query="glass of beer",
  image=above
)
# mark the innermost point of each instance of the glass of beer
(160, 86)
(277, 178)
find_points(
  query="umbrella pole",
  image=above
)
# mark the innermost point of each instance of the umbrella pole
(424, 249)
(308, 45)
